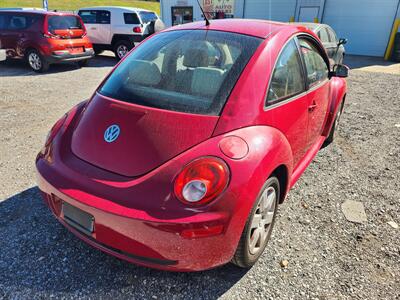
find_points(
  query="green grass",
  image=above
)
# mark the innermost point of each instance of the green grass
(75, 4)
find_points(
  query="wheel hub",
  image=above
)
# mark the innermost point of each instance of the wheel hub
(35, 61)
(262, 219)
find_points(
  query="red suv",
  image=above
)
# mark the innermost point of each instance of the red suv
(44, 38)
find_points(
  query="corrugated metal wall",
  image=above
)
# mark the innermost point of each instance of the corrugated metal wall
(277, 10)
(365, 23)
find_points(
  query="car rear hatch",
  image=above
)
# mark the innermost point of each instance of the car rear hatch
(131, 140)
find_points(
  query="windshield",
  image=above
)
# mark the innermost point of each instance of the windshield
(63, 23)
(190, 71)
(147, 16)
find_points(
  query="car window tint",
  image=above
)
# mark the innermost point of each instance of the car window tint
(287, 79)
(63, 23)
(147, 16)
(189, 71)
(95, 16)
(3, 19)
(103, 17)
(332, 36)
(17, 23)
(323, 35)
(131, 18)
(317, 70)
(88, 16)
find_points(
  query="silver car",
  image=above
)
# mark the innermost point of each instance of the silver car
(334, 46)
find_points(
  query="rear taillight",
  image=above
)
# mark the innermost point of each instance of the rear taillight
(83, 26)
(202, 181)
(46, 32)
(137, 29)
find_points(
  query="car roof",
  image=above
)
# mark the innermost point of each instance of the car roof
(253, 27)
(39, 11)
(115, 8)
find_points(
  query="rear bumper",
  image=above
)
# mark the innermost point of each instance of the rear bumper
(143, 240)
(70, 57)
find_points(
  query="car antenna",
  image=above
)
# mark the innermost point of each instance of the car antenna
(204, 15)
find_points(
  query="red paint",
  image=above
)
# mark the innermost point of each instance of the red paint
(129, 186)
(234, 147)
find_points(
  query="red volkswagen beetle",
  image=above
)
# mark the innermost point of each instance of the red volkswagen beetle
(182, 155)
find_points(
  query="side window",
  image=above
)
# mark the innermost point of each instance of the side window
(287, 78)
(332, 36)
(323, 35)
(3, 19)
(317, 70)
(103, 17)
(131, 18)
(88, 16)
(17, 23)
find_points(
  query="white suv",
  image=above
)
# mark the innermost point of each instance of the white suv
(118, 28)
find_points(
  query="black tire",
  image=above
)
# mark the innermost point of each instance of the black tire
(121, 48)
(83, 63)
(36, 61)
(97, 51)
(331, 137)
(245, 256)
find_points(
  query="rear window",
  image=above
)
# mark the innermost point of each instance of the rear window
(63, 22)
(147, 16)
(189, 71)
(131, 18)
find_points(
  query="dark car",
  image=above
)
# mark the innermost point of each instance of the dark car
(43, 38)
(334, 46)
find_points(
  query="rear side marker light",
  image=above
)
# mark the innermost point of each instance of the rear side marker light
(201, 181)
(202, 232)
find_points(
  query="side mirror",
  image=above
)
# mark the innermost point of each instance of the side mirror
(340, 71)
(342, 41)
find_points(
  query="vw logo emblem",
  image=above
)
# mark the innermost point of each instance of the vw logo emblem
(111, 133)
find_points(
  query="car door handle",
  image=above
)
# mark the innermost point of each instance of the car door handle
(312, 106)
(93, 28)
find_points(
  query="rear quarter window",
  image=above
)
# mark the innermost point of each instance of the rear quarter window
(2, 21)
(147, 16)
(190, 71)
(18, 22)
(131, 18)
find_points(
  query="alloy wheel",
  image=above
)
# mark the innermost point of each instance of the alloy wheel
(122, 50)
(262, 219)
(35, 61)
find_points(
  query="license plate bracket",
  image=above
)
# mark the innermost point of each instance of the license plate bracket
(78, 219)
(75, 50)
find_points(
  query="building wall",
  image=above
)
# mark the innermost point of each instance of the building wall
(281, 10)
(366, 24)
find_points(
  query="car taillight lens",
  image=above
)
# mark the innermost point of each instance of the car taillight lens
(137, 29)
(54, 130)
(201, 181)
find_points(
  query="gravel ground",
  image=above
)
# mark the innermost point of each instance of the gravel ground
(328, 257)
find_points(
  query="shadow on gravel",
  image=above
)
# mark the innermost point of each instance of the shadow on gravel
(39, 257)
(17, 68)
